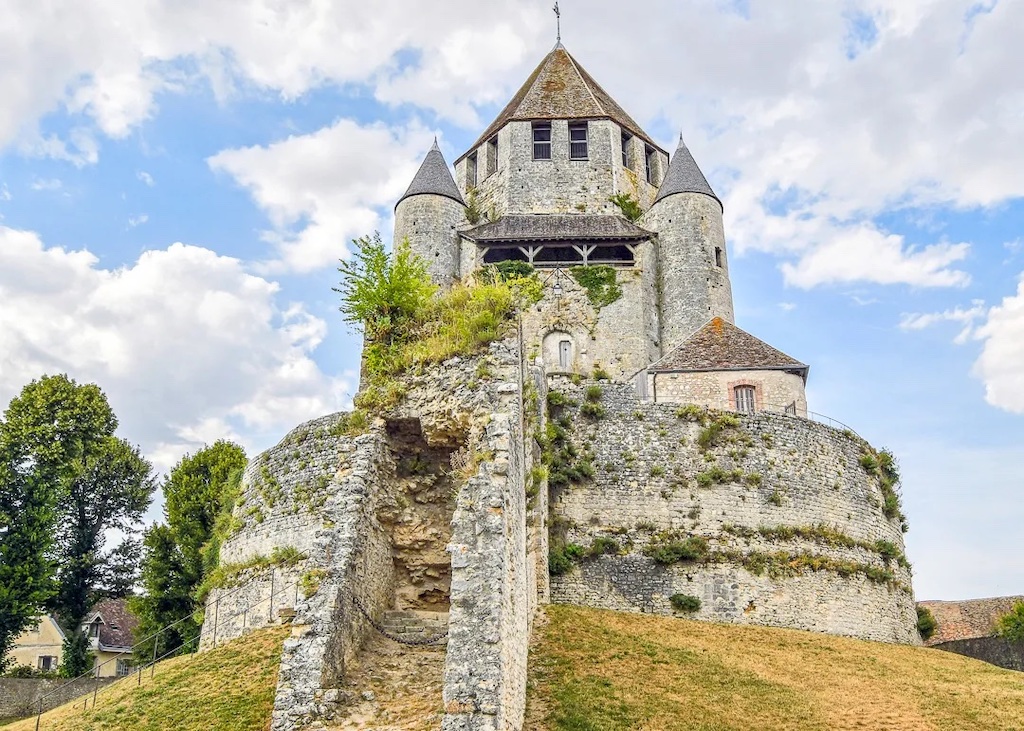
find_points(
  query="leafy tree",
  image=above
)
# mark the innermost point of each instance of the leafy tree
(1011, 624)
(383, 292)
(59, 453)
(199, 494)
(926, 624)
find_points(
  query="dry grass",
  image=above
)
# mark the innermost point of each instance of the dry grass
(593, 670)
(227, 689)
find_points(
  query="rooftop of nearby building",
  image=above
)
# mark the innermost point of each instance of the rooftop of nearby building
(720, 345)
(560, 88)
(116, 624)
(968, 619)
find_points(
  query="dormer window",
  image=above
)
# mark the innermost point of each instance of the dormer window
(649, 157)
(471, 171)
(542, 140)
(578, 141)
(94, 628)
(626, 139)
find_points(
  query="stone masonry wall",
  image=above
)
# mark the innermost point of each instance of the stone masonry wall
(19, 697)
(430, 222)
(773, 390)
(653, 481)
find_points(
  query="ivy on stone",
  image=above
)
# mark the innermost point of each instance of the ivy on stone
(601, 283)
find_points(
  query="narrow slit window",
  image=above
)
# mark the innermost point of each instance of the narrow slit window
(745, 399)
(541, 140)
(625, 149)
(718, 257)
(578, 141)
(492, 155)
(649, 155)
(471, 171)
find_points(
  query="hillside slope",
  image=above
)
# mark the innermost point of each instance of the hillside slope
(230, 688)
(593, 670)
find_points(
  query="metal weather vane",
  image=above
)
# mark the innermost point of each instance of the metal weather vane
(558, 21)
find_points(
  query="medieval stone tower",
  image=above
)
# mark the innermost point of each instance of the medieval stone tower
(622, 444)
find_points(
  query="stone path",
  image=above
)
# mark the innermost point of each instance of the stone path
(398, 687)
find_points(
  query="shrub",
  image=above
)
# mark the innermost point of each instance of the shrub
(512, 269)
(558, 563)
(684, 603)
(593, 410)
(711, 434)
(593, 393)
(1011, 624)
(692, 412)
(657, 471)
(674, 549)
(600, 374)
(603, 546)
(557, 399)
(926, 624)
(869, 463)
(775, 498)
(888, 550)
(629, 206)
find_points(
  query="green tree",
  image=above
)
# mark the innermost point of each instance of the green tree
(1011, 624)
(383, 292)
(199, 494)
(59, 453)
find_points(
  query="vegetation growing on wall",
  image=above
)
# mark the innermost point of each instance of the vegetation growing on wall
(228, 575)
(473, 211)
(685, 603)
(629, 206)
(716, 429)
(601, 283)
(669, 547)
(820, 533)
(882, 464)
(1011, 624)
(406, 323)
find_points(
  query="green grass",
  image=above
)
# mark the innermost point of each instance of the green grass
(594, 670)
(230, 688)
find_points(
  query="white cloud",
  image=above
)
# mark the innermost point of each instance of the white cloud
(1001, 364)
(146, 178)
(134, 221)
(188, 346)
(966, 317)
(49, 184)
(322, 189)
(5, 194)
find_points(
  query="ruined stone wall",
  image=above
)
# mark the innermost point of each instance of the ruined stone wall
(773, 390)
(621, 337)
(694, 289)
(653, 483)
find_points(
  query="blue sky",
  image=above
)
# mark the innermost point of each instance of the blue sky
(178, 182)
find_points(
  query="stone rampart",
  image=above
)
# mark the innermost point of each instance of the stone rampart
(793, 525)
(20, 697)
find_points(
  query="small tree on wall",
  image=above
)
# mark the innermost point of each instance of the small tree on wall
(1011, 624)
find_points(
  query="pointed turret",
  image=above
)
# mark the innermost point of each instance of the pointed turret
(433, 178)
(692, 259)
(684, 176)
(428, 216)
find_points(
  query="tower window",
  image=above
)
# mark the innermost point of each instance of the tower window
(649, 155)
(542, 140)
(745, 399)
(492, 155)
(626, 138)
(471, 171)
(718, 257)
(578, 141)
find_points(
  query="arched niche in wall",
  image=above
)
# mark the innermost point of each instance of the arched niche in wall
(560, 352)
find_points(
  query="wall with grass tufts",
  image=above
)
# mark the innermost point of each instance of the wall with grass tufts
(766, 519)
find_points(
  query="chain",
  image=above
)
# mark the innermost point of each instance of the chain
(377, 626)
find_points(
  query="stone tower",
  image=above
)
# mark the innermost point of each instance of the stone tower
(429, 214)
(687, 216)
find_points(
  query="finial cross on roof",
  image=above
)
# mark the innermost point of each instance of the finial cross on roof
(558, 22)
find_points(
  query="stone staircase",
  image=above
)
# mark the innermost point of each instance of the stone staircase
(411, 625)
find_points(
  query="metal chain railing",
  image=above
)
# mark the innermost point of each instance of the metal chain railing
(380, 628)
(189, 645)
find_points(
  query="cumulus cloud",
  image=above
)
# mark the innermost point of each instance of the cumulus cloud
(187, 344)
(1001, 364)
(966, 317)
(323, 189)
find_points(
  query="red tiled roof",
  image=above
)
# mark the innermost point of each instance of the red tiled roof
(721, 346)
(118, 624)
(967, 619)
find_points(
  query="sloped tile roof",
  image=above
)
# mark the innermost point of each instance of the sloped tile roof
(118, 624)
(721, 346)
(433, 178)
(967, 619)
(559, 88)
(684, 176)
(557, 227)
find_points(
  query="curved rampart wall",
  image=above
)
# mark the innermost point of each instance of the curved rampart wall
(791, 519)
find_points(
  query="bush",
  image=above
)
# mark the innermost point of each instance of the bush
(558, 563)
(674, 549)
(600, 374)
(926, 623)
(603, 546)
(1011, 624)
(594, 393)
(593, 410)
(601, 283)
(684, 603)
(629, 206)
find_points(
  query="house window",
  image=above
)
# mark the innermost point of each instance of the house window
(492, 155)
(542, 140)
(94, 629)
(564, 354)
(718, 256)
(124, 667)
(626, 138)
(47, 663)
(471, 171)
(745, 399)
(578, 141)
(649, 155)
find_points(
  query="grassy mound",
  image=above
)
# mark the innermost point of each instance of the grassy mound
(593, 670)
(227, 689)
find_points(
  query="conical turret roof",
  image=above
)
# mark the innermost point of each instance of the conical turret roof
(684, 176)
(559, 88)
(433, 178)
